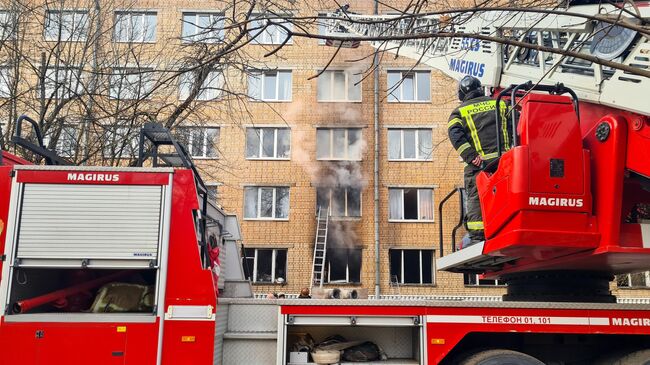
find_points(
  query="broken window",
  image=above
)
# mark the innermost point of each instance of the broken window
(338, 144)
(343, 202)
(411, 266)
(266, 202)
(409, 144)
(636, 280)
(410, 204)
(266, 265)
(268, 143)
(343, 265)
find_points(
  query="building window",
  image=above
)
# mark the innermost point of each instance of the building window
(262, 202)
(68, 25)
(67, 143)
(62, 83)
(268, 143)
(131, 83)
(322, 28)
(210, 89)
(475, 280)
(343, 265)
(273, 33)
(409, 144)
(270, 85)
(5, 82)
(409, 86)
(266, 265)
(412, 266)
(135, 26)
(636, 280)
(7, 25)
(203, 27)
(213, 192)
(339, 86)
(343, 202)
(411, 204)
(120, 141)
(338, 144)
(201, 142)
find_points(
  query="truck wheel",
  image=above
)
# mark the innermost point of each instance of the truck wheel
(640, 357)
(501, 357)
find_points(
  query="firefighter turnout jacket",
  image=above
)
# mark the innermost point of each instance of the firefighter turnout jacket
(472, 129)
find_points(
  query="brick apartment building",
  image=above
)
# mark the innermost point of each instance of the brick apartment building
(308, 142)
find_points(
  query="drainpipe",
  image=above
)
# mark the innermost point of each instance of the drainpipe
(375, 63)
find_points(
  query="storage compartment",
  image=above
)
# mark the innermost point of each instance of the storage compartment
(400, 338)
(62, 290)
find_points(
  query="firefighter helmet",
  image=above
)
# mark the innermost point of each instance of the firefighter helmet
(466, 85)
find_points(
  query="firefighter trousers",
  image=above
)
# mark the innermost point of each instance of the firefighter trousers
(473, 215)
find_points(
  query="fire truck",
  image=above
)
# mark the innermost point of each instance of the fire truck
(119, 265)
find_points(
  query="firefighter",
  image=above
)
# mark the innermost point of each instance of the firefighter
(472, 132)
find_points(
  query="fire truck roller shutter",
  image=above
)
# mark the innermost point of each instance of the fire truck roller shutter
(94, 225)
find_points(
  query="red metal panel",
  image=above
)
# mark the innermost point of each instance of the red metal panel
(92, 177)
(188, 283)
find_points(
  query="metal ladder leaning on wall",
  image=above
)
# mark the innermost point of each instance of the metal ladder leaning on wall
(320, 247)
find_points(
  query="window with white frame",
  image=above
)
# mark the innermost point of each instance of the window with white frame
(339, 86)
(268, 143)
(131, 83)
(210, 88)
(7, 25)
(270, 85)
(409, 86)
(266, 202)
(5, 82)
(121, 141)
(338, 144)
(322, 28)
(409, 144)
(410, 204)
(203, 27)
(201, 142)
(343, 202)
(412, 266)
(66, 25)
(265, 29)
(476, 280)
(62, 83)
(135, 26)
(343, 265)
(265, 265)
(635, 280)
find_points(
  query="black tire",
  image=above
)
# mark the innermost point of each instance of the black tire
(500, 357)
(639, 357)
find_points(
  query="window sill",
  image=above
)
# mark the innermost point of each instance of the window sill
(633, 287)
(205, 158)
(268, 283)
(409, 101)
(414, 285)
(270, 101)
(64, 40)
(131, 42)
(410, 221)
(340, 101)
(483, 286)
(338, 159)
(334, 283)
(268, 159)
(267, 219)
(348, 219)
(270, 44)
(410, 160)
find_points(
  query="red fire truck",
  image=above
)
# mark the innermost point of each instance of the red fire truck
(118, 265)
